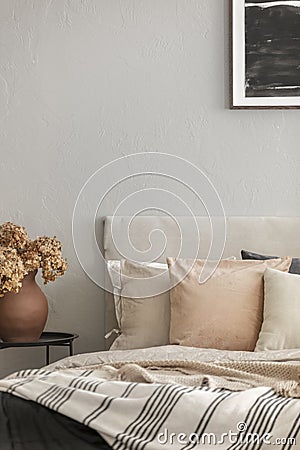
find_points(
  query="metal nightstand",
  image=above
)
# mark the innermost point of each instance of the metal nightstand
(48, 339)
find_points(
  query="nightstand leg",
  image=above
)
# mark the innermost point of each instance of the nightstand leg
(71, 348)
(47, 355)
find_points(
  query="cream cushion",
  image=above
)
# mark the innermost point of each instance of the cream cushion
(226, 311)
(144, 321)
(281, 318)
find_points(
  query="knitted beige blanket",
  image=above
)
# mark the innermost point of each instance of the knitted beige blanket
(233, 375)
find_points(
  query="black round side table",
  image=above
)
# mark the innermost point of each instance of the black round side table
(48, 339)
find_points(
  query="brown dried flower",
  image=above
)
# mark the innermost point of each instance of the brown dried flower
(11, 271)
(51, 261)
(13, 236)
(19, 255)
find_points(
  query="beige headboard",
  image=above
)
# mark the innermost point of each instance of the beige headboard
(270, 235)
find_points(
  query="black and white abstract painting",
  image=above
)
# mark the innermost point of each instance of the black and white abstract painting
(266, 53)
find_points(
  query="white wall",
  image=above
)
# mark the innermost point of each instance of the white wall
(85, 81)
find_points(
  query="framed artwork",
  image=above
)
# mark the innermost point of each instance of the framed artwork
(265, 53)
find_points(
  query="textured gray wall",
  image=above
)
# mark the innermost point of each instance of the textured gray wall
(85, 81)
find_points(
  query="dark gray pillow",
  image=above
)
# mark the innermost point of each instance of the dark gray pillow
(294, 268)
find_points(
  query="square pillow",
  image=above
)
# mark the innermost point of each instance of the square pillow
(226, 311)
(281, 317)
(144, 321)
(295, 266)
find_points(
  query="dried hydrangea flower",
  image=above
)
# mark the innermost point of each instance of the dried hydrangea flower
(13, 236)
(19, 256)
(12, 271)
(51, 261)
(31, 259)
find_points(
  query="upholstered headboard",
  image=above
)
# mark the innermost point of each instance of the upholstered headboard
(270, 235)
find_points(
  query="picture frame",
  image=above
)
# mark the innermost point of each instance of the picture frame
(265, 54)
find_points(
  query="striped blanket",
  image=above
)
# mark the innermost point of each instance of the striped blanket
(163, 415)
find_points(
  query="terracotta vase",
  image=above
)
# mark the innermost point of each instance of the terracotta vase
(23, 316)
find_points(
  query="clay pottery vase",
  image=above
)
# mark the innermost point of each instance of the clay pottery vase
(23, 315)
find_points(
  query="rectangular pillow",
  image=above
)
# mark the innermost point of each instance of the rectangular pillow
(114, 272)
(280, 328)
(144, 321)
(294, 268)
(223, 313)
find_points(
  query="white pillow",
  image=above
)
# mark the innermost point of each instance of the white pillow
(114, 271)
(143, 322)
(281, 318)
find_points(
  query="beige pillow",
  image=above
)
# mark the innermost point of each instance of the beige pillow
(226, 311)
(280, 328)
(144, 322)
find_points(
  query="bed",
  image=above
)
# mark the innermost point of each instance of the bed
(164, 396)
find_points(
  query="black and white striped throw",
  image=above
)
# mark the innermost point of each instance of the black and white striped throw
(140, 416)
